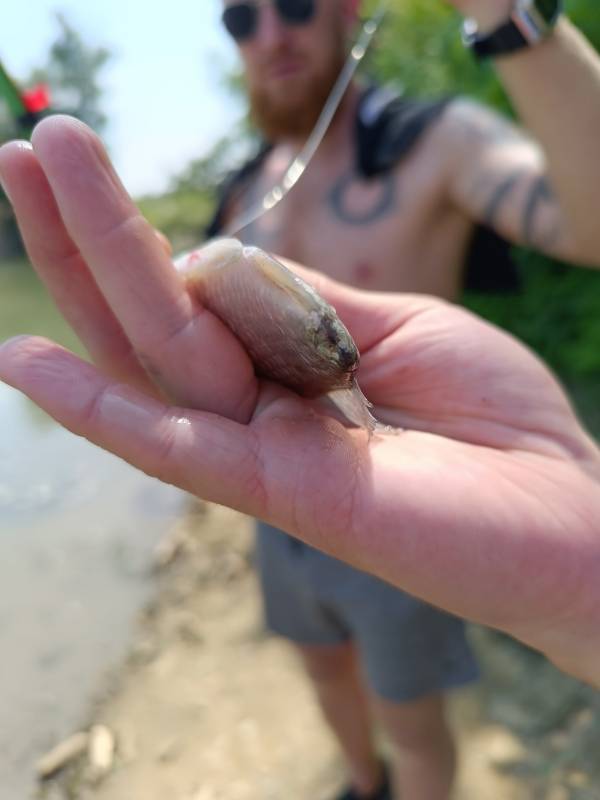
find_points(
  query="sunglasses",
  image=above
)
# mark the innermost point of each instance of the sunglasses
(241, 19)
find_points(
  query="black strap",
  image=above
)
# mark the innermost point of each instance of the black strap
(505, 39)
(389, 125)
(233, 185)
(490, 267)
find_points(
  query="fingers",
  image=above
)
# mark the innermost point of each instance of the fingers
(60, 266)
(199, 452)
(164, 242)
(190, 354)
(103, 221)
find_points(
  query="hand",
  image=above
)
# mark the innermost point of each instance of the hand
(487, 502)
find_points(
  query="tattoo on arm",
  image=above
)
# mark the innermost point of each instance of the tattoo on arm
(540, 223)
(539, 195)
(340, 200)
(498, 197)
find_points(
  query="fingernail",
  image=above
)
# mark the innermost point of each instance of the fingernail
(21, 144)
(7, 344)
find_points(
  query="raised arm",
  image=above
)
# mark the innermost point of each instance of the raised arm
(540, 191)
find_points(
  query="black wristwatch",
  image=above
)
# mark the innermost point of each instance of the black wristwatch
(530, 22)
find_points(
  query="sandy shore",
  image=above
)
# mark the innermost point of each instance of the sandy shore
(209, 707)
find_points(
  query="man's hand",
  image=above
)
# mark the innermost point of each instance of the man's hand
(486, 503)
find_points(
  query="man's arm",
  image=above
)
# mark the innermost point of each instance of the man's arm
(542, 194)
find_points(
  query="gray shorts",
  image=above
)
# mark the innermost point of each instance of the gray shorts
(407, 647)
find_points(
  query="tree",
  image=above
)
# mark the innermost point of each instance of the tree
(72, 72)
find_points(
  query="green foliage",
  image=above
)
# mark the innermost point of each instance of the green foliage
(206, 173)
(8, 124)
(419, 47)
(72, 72)
(557, 312)
(181, 215)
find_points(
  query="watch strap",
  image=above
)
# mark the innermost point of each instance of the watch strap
(529, 23)
(505, 39)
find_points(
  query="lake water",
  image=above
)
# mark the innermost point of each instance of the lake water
(77, 532)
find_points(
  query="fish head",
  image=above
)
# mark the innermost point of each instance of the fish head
(331, 340)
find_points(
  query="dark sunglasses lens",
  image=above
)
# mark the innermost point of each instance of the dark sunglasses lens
(240, 20)
(296, 11)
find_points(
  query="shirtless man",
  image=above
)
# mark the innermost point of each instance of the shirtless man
(407, 228)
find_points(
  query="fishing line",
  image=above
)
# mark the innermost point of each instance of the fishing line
(298, 165)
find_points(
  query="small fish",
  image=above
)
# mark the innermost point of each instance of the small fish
(292, 335)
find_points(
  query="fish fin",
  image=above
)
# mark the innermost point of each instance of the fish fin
(355, 407)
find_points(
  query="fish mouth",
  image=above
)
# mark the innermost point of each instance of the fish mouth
(345, 351)
(349, 360)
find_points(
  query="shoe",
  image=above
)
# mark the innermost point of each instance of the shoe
(384, 792)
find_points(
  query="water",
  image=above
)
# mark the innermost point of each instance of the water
(77, 531)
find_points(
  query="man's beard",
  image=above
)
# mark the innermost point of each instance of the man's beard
(295, 115)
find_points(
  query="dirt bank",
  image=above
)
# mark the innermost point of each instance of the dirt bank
(209, 707)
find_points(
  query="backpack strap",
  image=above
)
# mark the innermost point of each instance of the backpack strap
(387, 127)
(232, 186)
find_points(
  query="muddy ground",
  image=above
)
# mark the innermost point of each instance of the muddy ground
(210, 707)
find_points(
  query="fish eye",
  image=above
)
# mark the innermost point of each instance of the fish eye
(329, 332)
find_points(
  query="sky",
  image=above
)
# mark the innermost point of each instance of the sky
(164, 92)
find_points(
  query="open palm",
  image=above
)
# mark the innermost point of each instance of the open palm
(484, 502)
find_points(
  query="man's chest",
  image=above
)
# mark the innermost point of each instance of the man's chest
(384, 233)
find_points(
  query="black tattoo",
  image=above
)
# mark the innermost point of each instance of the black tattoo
(541, 193)
(498, 197)
(385, 203)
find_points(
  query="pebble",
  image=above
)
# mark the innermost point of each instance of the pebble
(101, 751)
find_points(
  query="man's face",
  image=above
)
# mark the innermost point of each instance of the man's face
(289, 67)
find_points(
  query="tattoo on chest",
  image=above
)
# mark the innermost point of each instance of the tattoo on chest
(357, 202)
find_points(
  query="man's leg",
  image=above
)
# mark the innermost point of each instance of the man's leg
(335, 674)
(423, 752)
